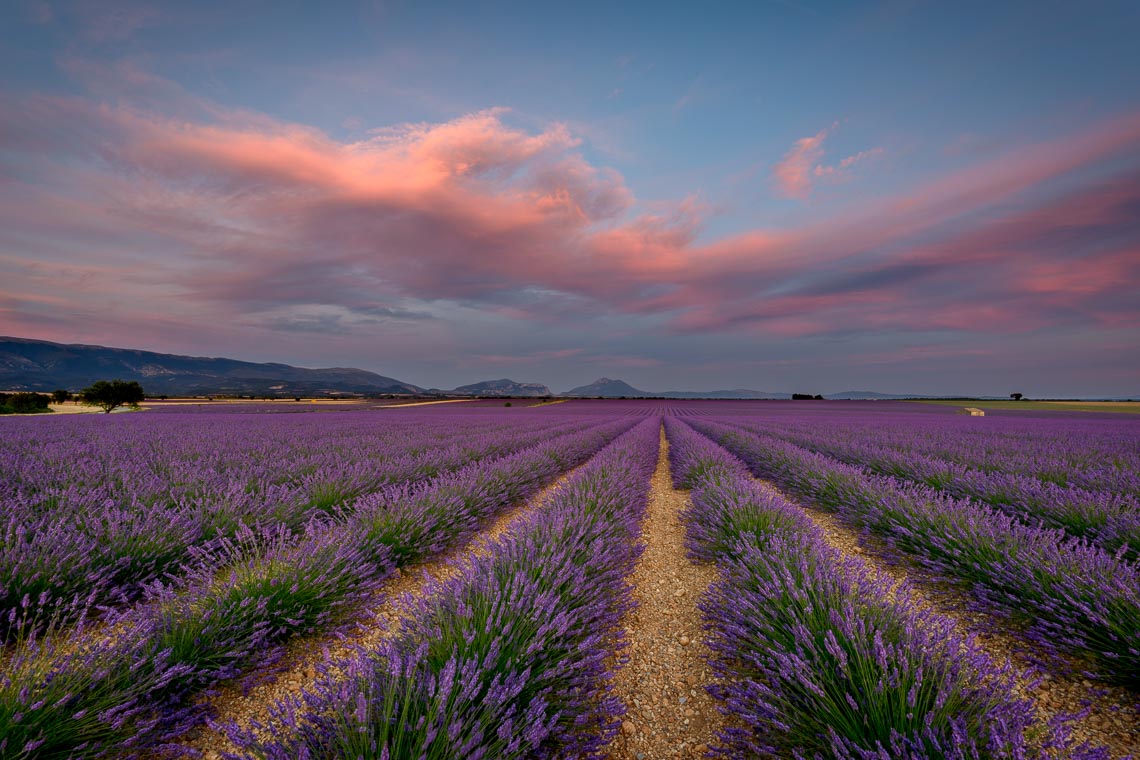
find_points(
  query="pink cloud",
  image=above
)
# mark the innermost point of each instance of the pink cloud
(270, 225)
(797, 173)
(793, 174)
(831, 171)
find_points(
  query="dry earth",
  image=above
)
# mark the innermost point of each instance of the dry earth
(427, 403)
(663, 682)
(72, 408)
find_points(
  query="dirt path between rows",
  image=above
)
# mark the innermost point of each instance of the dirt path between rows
(390, 607)
(1112, 720)
(663, 682)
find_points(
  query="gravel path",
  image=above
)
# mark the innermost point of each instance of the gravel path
(389, 608)
(1113, 719)
(663, 682)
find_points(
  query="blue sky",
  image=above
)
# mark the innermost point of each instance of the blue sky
(900, 196)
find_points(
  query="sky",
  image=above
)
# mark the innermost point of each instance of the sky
(782, 195)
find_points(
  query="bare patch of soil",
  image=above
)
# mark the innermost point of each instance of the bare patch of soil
(663, 682)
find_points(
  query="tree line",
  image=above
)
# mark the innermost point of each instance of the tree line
(107, 395)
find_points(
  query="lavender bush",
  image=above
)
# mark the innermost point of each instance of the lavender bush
(102, 526)
(1107, 519)
(509, 658)
(211, 626)
(1092, 452)
(1068, 596)
(817, 658)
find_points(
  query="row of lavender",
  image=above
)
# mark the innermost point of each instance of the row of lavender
(510, 658)
(155, 459)
(92, 512)
(1097, 453)
(1067, 596)
(127, 686)
(816, 657)
(1107, 518)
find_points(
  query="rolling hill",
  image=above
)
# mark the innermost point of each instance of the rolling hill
(40, 365)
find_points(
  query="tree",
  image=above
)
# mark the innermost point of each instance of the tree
(108, 396)
(23, 403)
(1016, 396)
(60, 396)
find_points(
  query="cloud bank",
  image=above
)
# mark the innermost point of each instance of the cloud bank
(149, 222)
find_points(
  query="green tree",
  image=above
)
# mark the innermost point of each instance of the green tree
(23, 403)
(60, 396)
(1016, 396)
(109, 396)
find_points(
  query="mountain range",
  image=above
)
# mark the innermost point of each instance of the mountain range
(502, 387)
(606, 388)
(40, 365)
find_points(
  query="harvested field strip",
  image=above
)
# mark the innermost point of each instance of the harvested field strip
(232, 703)
(1067, 597)
(427, 403)
(663, 681)
(802, 633)
(1120, 407)
(547, 403)
(511, 657)
(185, 641)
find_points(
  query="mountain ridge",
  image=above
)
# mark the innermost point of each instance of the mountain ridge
(502, 387)
(30, 364)
(40, 365)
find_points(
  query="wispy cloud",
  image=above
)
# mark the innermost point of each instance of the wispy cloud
(793, 174)
(802, 166)
(238, 217)
(832, 171)
(692, 94)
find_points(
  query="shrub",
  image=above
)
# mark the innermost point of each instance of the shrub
(23, 403)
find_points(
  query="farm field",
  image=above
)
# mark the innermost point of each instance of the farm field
(588, 578)
(1116, 407)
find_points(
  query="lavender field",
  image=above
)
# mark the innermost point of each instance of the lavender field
(855, 580)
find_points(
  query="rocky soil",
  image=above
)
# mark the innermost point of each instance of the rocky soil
(663, 680)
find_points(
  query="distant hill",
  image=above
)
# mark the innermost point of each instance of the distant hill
(607, 388)
(604, 387)
(875, 396)
(868, 395)
(40, 365)
(738, 393)
(504, 387)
